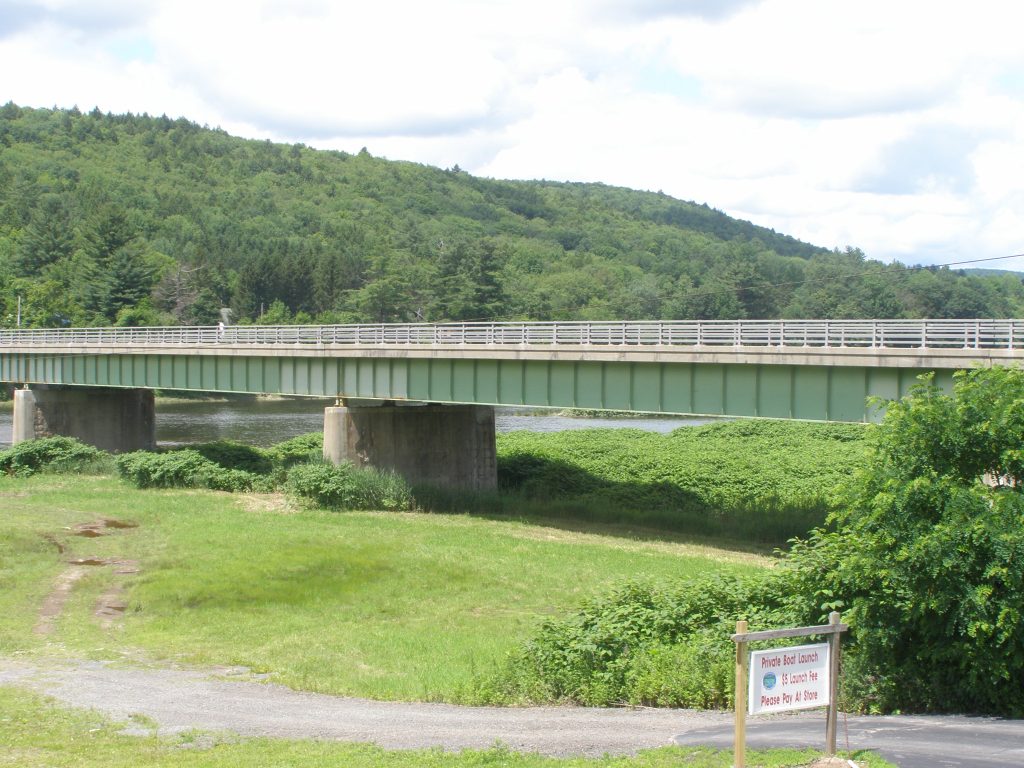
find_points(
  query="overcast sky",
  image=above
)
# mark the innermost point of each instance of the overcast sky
(895, 126)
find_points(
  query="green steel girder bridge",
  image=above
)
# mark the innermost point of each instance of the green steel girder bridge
(801, 369)
(418, 399)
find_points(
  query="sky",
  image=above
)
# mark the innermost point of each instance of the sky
(894, 126)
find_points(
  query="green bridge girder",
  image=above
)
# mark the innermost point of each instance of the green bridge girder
(792, 391)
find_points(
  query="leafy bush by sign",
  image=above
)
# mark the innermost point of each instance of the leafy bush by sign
(928, 560)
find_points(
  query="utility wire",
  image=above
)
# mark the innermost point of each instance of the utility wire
(858, 273)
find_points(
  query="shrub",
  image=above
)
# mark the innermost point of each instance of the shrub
(696, 673)
(48, 453)
(185, 469)
(617, 648)
(929, 572)
(231, 454)
(298, 450)
(927, 562)
(346, 487)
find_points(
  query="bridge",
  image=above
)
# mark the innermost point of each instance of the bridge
(799, 369)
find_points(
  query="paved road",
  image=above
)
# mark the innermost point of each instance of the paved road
(933, 741)
(180, 700)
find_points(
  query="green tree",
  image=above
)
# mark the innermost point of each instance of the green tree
(45, 304)
(48, 238)
(927, 559)
(128, 278)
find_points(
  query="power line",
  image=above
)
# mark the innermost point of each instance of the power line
(859, 273)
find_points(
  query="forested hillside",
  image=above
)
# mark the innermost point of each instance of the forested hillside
(138, 220)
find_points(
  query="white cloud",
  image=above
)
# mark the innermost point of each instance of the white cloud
(895, 127)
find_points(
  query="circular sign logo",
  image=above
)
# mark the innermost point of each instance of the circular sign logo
(769, 680)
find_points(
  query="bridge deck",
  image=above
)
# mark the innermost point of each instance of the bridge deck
(784, 369)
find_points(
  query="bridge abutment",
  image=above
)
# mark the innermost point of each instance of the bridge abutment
(115, 420)
(450, 446)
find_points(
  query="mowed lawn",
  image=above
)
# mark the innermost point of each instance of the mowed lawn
(386, 605)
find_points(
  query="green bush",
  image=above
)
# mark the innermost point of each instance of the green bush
(49, 453)
(185, 469)
(617, 647)
(927, 562)
(696, 673)
(346, 487)
(298, 450)
(719, 465)
(231, 454)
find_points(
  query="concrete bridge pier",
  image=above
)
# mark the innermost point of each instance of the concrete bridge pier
(450, 446)
(115, 420)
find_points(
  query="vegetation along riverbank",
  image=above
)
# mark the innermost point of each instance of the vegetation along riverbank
(922, 557)
(402, 587)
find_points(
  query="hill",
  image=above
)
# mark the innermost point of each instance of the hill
(133, 219)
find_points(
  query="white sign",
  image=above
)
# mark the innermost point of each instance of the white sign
(788, 678)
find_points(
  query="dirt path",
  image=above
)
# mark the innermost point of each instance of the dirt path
(110, 607)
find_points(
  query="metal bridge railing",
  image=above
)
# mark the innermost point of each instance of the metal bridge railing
(874, 334)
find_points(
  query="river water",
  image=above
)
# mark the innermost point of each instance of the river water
(265, 422)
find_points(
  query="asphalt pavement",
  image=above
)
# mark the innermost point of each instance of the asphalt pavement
(909, 741)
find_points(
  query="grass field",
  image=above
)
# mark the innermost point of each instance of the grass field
(385, 605)
(36, 732)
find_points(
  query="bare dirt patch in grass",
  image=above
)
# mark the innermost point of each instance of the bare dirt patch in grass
(53, 605)
(100, 527)
(110, 606)
(264, 502)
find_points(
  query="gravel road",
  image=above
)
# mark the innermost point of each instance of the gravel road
(180, 700)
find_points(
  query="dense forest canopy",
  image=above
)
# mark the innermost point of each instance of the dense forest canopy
(130, 220)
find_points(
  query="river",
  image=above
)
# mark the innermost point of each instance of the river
(265, 422)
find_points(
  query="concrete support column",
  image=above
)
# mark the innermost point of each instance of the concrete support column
(335, 442)
(450, 446)
(24, 416)
(115, 420)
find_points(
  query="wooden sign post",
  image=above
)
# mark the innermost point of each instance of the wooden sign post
(740, 740)
(800, 677)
